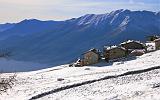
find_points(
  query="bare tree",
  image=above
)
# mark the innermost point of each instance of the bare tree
(6, 82)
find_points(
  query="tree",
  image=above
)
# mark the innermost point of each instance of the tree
(6, 82)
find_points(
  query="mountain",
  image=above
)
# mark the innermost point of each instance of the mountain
(27, 27)
(6, 26)
(59, 42)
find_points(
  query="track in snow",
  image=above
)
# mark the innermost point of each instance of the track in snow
(92, 81)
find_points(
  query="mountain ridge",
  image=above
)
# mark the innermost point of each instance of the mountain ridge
(6, 26)
(60, 42)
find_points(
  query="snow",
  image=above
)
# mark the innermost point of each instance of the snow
(117, 11)
(151, 46)
(130, 87)
(113, 47)
(90, 19)
(97, 19)
(125, 21)
(129, 41)
(110, 47)
(114, 18)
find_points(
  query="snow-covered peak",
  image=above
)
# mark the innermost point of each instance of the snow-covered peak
(96, 19)
(116, 11)
(125, 21)
(92, 19)
(85, 19)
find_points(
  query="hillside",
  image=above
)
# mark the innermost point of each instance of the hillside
(4, 27)
(130, 79)
(60, 42)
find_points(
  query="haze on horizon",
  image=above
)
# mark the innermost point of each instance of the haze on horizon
(17, 10)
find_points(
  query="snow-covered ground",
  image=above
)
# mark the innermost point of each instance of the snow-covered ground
(92, 82)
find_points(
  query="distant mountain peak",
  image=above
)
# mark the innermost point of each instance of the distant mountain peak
(117, 11)
(96, 19)
(30, 20)
(6, 26)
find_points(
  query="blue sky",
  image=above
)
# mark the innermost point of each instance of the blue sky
(17, 10)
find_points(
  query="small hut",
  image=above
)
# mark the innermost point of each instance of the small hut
(91, 57)
(157, 43)
(79, 63)
(131, 45)
(114, 52)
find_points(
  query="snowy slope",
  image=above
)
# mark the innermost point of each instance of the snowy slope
(135, 79)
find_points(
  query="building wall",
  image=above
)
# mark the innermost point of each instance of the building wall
(157, 44)
(90, 58)
(150, 46)
(133, 45)
(137, 53)
(114, 54)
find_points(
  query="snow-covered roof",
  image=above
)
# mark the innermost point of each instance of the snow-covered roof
(157, 40)
(129, 41)
(112, 47)
(93, 50)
